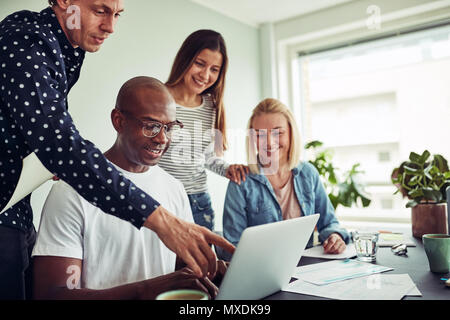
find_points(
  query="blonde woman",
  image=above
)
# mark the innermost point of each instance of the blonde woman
(280, 186)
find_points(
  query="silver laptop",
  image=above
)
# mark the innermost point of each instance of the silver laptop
(265, 258)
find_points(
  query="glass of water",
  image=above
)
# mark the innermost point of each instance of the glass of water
(366, 244)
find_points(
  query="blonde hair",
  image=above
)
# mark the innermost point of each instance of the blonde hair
(272, 106)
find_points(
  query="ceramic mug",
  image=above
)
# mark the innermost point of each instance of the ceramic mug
(437, 248)
(183, 294)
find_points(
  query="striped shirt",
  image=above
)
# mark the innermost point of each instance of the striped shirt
(192, 149)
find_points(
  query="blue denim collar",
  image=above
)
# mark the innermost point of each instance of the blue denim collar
(261, 178)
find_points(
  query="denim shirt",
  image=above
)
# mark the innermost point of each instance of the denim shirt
(253, 202)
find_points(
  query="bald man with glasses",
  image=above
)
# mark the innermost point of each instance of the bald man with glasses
(83, 254)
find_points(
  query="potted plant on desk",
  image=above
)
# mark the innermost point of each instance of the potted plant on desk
(423, 180)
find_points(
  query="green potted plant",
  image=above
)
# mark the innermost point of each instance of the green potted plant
(423, 179)
(343, 191)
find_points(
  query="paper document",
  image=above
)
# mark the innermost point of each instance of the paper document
(338, 270)
(374, 287)
(33, 174)
(390, 239)
(317, 252)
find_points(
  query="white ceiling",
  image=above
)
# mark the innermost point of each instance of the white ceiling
(255, 12)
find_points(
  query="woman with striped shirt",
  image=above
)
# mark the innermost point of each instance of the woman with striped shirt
(197, 82)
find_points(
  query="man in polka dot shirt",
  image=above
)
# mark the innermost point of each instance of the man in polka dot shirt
(41, 55)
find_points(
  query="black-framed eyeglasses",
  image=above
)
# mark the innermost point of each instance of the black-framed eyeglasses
(151, 128)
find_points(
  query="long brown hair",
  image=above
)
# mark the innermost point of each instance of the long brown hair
(189, 50)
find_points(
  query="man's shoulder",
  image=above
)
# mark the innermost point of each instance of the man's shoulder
(22, 21)
(19, 17)
(63, 189)
(173, 194)
(170, 180)
(62, 200)
(26, 27)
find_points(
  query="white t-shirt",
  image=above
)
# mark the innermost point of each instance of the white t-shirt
(113, 251)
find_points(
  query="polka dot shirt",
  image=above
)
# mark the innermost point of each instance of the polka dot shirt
(38, 67)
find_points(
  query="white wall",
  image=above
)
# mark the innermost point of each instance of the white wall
(145, 42)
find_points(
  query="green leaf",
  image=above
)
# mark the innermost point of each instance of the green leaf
(428, 175)
(414, 157)
(365, 201)
(440, 162)
(412, 203)
(416, 193)
(396, 179)
(334, 200)
(424, 157)
(414, 180)
(433, 195)
(433, 170)
(332, 176)
(411, 170)
(313, 144)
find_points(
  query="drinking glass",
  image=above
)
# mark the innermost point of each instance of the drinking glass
(366, 245)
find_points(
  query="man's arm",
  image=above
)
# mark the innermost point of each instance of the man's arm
(36, 101)
(189, 241)
(222, 267)
(34, 92)
(59, 278)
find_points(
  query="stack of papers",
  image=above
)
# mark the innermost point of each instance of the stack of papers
(317, 252)
(334, 271)
(351, 280)
(391, 239)
(375, 287)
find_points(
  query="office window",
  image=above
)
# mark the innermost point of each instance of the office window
(374, 103)
(384, 156)
(387, 203)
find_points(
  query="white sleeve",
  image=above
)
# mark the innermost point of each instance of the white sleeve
(62, 224)
(185, 211)
(214, 163)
